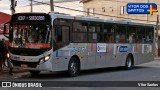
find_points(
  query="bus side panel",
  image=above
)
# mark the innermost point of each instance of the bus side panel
(60, 63)
(91, 62)
(145, 53)
(83, 62)
(83, 55)
(101, 60)
(135, 53)
(81, 50)
(111, 58)
(120, 54)
(62, 56)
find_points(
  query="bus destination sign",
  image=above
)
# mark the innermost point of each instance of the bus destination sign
(31, 18)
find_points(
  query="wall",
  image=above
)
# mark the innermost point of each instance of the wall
(112, 8)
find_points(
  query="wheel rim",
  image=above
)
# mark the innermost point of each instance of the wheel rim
(129, 63)
(73, 68)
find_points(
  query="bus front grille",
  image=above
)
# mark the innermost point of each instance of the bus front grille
(28, 64)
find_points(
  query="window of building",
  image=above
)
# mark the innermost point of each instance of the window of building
(91, 12)
(122, 8)
(103, 9)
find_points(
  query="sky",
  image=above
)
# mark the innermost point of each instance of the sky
(5, 4)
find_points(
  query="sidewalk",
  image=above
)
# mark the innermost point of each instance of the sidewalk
(156, 58)
(15, 70)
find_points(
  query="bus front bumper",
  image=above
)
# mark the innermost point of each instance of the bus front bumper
(46, 66)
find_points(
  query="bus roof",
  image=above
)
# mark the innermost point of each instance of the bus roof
(96, 19)
(55, 15)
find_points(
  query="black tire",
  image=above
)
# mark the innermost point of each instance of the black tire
(129, 62)
(34, 72)
(73, 67)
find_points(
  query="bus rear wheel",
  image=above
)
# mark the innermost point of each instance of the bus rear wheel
(129, 63)
(73, 67)
(34, 72)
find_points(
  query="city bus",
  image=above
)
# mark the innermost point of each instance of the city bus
(60, 42)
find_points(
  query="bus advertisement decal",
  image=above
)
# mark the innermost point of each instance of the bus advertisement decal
(75, 50)
(123, 49)
(131, 46)
(79, 49)
(101, 47)
(59, 53)
(16, 58)
(146, 48)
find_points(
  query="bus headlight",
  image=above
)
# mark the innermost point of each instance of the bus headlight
(46, 58)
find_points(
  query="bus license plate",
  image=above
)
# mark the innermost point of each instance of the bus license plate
(24, 65)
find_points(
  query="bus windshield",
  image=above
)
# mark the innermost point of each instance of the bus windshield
(33, 36)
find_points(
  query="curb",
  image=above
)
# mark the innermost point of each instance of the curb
(157, 58)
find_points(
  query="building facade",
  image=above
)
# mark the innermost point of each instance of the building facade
(116, 10)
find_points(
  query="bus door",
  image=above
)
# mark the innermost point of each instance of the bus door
(61, 38)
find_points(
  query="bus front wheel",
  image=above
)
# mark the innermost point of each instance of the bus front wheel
(34, 72)
(73, 67)
(129, 63)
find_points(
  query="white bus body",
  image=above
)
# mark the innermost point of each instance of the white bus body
(78, 43)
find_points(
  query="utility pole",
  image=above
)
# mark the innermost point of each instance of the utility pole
(157, 28)
(31, 6)
(13, 5)
(147, 14)
(52, 5)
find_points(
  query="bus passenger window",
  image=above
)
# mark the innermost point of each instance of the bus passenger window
(80, 37)
(149, 34)
(106, 37)
(93, 37)
(117, 38)
(131, 38)
(122, 38)
(111, 38)
(99, 37)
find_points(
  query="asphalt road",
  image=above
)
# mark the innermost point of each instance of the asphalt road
(145, 72)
